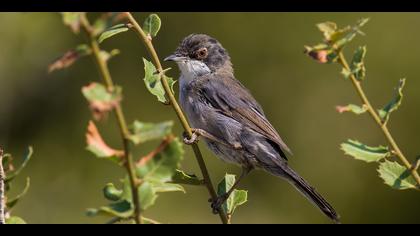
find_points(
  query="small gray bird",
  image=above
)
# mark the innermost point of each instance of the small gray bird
(230, 120)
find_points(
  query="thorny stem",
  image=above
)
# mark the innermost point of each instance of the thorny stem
(128, 159)
(148, 43)
(2, 178)
(396, 150)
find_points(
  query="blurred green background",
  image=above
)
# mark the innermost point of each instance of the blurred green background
(49, 112)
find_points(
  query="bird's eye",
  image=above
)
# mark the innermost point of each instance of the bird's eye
(202, 53)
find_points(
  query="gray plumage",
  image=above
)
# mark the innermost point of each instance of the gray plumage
(216, 102)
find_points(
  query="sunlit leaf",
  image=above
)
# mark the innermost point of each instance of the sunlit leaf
(98, 147)
(352, 108)
(153, 82)
(396, 176)
(72, 19)
(112, 193)
(114, 30)
(327, 28)
(338, 38)
(143, 132)
(101, 101)
(15, 220)
(181, 177)
(237, 197)
(394, 103)
(69, 58)
(152, 25)
(365, 153)
(26, 157)
(12, 202)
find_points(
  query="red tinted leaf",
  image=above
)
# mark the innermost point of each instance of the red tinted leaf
(97, 145)
(101, 101)
(69, 58)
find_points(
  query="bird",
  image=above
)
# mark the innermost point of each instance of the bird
(229, 119)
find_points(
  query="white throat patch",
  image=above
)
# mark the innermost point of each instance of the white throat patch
(191, 69)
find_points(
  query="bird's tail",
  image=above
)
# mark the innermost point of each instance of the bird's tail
(308, 191)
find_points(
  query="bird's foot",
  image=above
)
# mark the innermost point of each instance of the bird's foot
(218, 202)
(193, 139)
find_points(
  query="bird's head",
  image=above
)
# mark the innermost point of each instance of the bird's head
(199, 54)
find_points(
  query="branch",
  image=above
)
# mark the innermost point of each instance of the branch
(149, 46)
(2, 178)
(342, 61)
(128, 159)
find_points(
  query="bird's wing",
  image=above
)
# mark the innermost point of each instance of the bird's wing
(234, 100)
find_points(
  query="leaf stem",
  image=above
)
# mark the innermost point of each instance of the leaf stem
(149, 46)
(342, 61)
(128, 159)
(2, 178)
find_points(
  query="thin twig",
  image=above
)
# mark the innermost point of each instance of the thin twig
(2, 178)
(128, 159)
(149, 46)
(342, 61)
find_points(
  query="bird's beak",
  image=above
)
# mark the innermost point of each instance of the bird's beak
(175, 58)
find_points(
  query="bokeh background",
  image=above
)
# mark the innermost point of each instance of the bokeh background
(49, 112)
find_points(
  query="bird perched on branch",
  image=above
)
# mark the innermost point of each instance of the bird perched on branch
(232, 123)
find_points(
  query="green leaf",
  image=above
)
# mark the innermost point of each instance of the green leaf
(338, 38)
(152, 25)
(396, 176)
(394, 103)
(70, 57)
(152, 81)
(101, 101)
(352, 108)
(26, 157)
(112, 193)
(143, 132)
(156, 171)
(162, 187)
(149, 221)
(15, 220)
(72, 19)
(357, 65)
(122, 209)
(163, 165)
(181, 177)
(365, 153)
(12, 202)
(237, 197)
(114, 30)
(108, 55)
(147, 195)
(107, 20)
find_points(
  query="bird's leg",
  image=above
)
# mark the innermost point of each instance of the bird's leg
(217, 203)
(196, 133)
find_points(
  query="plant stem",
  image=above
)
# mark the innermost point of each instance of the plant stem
(148, 43)
(342, 61)
(125, 134)
(2, 178)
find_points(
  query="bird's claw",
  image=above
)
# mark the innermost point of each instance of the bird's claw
(218, 202)
(190, 140)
